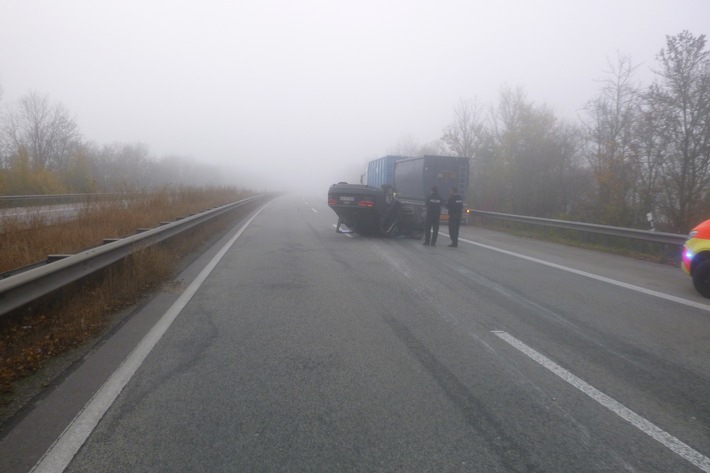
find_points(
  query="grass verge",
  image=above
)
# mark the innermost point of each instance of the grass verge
(639, 249)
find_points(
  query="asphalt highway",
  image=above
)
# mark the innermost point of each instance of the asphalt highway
(291, 348)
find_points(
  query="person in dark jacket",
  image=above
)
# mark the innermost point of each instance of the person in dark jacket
(455, 207)
(433, 214)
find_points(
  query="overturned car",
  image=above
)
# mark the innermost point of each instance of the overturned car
(365, 209)
(394, 205)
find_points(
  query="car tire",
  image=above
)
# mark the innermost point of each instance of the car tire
(389, 221)
(701, 278)
(389, 196)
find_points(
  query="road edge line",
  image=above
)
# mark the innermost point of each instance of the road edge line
(63, 450)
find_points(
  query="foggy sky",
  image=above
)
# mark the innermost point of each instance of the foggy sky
(305, 92)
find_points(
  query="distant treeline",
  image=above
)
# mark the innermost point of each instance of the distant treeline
(42, 152)
(638, 153)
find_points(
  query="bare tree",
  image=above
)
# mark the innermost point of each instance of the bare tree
(3, 143)
(611, 144)
(466, 132)
(533, 155)
(680, 104)
(433, 148)
(45, 133)
(406, 146)
(125, 167)
(652, 151)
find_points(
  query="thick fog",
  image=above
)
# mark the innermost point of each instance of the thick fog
(294, 94)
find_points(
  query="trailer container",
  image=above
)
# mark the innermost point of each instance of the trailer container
(381, 171)
(414, 177)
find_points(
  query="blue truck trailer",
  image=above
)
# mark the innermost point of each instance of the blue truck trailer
(381, 171)
(392, 200)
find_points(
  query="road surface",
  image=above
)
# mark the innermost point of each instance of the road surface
(289, 347)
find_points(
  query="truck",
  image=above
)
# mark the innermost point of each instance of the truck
(391, 200)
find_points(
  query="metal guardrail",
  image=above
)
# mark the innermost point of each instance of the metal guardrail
(656, 237)
(22, 288)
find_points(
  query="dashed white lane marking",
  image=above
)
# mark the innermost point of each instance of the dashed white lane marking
(655, 432)
(62, 452)
(314, 210)
(632, 287)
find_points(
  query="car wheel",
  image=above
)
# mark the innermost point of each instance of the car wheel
(389, 195)
(701, 278)
(389, 220)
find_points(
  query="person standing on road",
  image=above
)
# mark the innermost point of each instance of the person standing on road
(433, 214)
(455, 207)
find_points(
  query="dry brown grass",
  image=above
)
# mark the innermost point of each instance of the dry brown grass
(638, 249)
(80, 311)
(29, 240)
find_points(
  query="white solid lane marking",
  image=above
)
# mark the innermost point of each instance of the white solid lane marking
(632, 287)
(62, 452)
(655, 432)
